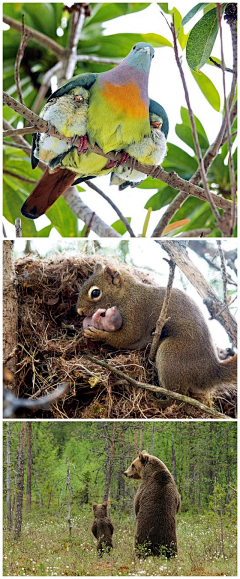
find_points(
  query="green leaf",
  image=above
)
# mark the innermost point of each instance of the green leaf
(201, 40)
(179, 159)
(181, 36)
(192, 12)
(63, 219)
(119, 225)
(109, 11)
(45, 232)
(184, 131)
(150, 183)
(161, 198)
(164, 7)
(119, 45)
(208, 89)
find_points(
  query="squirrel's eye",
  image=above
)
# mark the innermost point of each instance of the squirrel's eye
(95, 293)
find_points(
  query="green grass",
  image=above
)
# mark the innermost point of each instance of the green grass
(44, 548)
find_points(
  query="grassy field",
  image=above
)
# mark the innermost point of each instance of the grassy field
(44, 549)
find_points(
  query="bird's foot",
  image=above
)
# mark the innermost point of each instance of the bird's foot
(49, 126)
(125, 157)
(110, 164)
(83, 142)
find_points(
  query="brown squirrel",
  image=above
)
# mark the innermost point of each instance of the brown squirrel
(186, 360)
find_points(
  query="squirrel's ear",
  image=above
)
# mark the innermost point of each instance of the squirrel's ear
(113, 276)
(143, 456)
(98, 267)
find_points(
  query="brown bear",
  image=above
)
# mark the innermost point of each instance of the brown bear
(156, 503)
(102, 528)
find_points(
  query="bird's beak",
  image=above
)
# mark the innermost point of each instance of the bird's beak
(146, 49)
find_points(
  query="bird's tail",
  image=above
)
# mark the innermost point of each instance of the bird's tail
(47, 191)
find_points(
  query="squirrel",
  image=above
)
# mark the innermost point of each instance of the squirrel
(186, 359)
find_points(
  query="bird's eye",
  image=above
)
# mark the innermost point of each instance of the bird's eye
(94, 293)
(153, 56)
(134, 47)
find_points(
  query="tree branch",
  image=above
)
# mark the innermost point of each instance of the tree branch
(157, 172)
(37, 36)
(160, 390)
(120, 215)
(86, 214)
(163, 314)
(211, 300)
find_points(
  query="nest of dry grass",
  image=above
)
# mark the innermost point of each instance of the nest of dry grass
(52, 347)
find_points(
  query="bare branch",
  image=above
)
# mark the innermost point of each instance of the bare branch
(18, 227)
(37, 36)
(211, 300)
(84, 212)
(24, 40)
(220, 65)
(13, 405)
(76, 24)
(157, 172)
(120, 215)
(223, 269)
(45, 85)
(160, 390)
(227, 114)
(163, 314)
(18, 176)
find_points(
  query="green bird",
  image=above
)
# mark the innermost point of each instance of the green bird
(155, 146)
(110, 109)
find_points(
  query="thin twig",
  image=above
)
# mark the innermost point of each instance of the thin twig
(226, 104)
(220, 65)
(45, 86)
(120, 215)
(194, 131)
(160, 390)
(223, 270)
(16, 146)
(4, 231)
(37, 36)
(76, 24)
(24, 40)
(18, 176)
(163, 314)
(18, 227)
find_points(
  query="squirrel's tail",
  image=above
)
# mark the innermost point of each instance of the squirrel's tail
(227, 371)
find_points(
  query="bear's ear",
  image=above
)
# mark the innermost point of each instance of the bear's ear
(104, 504)
(113, 276)
(94, 505)
(143, 457)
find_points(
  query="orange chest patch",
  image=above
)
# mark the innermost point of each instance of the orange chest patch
(127, 98)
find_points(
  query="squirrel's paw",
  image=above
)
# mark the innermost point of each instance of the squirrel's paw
(94, 334)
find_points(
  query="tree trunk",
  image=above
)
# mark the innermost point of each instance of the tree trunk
(174, 461)
(38, 488)
(29, 467)
(10, 311)
(153, 435)
(69, 499)
(141, 439)
(19, 500)
(109, 465)
(9, 514)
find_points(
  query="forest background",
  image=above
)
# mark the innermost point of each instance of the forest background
(57, 470)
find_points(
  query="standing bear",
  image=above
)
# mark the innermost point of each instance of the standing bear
(156, 503)
(102, 528)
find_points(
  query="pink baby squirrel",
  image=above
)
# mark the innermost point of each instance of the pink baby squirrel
(109, 320)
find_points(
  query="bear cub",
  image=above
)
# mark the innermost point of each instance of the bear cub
(102, 528)
(156, 503)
